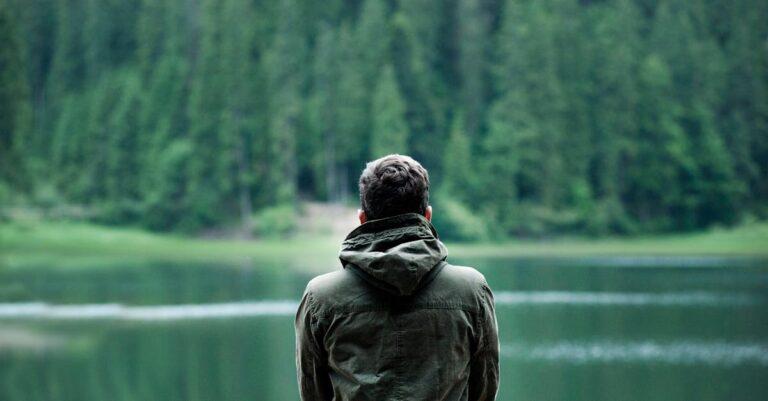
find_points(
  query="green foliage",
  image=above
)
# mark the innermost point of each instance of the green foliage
(14, 101)
(286, 78)
(325, 119)
(389, 133)
(473, 31)
(5, 196)
(45, 196)
(455, 221)
(166, 188)
(596, 117)
(458, 169)
(275, 221)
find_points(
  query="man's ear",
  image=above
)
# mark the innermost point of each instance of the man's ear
(428, 213)
(361, 216)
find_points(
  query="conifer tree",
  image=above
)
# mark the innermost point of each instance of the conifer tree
(121, 181)
(238, 124)
(208, 188)
(458, 168)
(660, 159)
(578, 116)
(285, 73)
(502, 151)
(390, 132)
(325, 142)
(612, 98)
(14, 102)
(353, 102)
(363, 48)
(420, 34)
(473, 37)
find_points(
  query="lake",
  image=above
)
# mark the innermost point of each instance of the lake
(608, 328)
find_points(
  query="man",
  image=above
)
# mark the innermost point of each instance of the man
(397, 322)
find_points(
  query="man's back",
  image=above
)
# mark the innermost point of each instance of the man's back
(398, 322)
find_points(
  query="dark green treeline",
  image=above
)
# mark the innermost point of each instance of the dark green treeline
(536, 116)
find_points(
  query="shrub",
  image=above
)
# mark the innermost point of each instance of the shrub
(275, 221)
(455, 221)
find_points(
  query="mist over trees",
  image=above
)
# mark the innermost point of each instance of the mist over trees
(532, 116)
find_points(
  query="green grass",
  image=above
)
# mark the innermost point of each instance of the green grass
(22, 243)
(747, 240)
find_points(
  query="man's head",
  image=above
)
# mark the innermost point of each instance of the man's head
(393, 185)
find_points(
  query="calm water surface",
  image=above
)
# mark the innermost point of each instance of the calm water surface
(588, 329)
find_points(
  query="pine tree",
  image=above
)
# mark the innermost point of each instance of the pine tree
(525, 119)
(208, 189)
(420, 36)
(323, 145)
(390, 132)
(473, 37)
(743, 110)
(611, 101)
(285, 71)
(660, 158)
(502, 151)
(363, 48)
(353, 103)
(160, 117)
(68, 64)
(586, 116)
(121, 181)
(458, 168)
(238, 125)
(14, 102)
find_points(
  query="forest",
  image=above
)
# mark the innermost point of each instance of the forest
(533, 117)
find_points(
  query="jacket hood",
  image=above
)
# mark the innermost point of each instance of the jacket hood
(398, 254)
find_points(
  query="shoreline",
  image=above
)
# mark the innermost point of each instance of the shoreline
(22, 243)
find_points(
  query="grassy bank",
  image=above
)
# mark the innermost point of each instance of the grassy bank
(39, 241)
(748, 240)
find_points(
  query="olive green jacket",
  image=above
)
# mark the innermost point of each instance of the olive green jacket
(398, 322)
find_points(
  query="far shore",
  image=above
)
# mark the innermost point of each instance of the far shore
(40, 242)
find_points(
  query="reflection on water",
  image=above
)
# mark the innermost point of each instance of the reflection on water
(621, 298)
(720, 354)
(38, 310)
(571, 329)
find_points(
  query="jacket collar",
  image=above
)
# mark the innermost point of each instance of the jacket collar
(398, 254)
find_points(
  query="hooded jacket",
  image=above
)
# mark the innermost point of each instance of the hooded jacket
(397, 322)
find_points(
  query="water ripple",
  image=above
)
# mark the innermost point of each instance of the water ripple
(622, 298)
(716, 353)
(39, 310)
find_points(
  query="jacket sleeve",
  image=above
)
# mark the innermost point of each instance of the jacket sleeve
(311, 359)
(484, 367)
